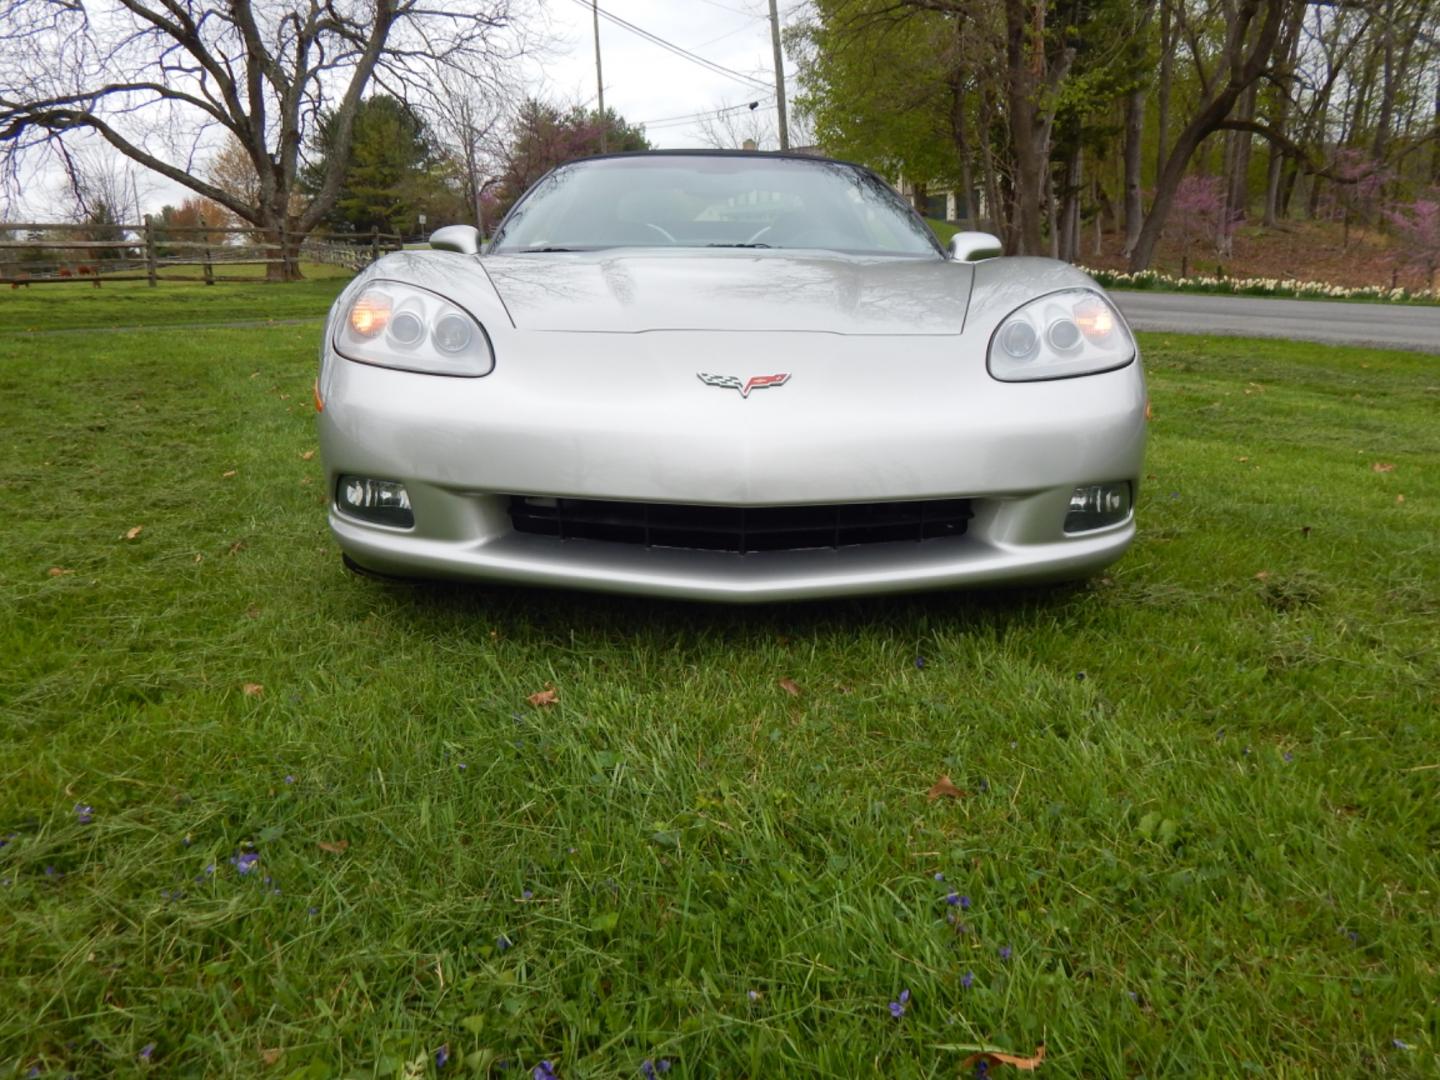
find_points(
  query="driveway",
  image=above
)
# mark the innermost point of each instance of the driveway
(1390, 326)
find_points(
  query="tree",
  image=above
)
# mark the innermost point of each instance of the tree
(1417, 228)
(393, 173)
(192, 214)
(1197, 213)
(157, 79)
(544, 136)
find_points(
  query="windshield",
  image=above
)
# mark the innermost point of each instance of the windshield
(713, 200)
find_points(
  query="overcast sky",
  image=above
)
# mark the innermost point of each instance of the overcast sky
(643, 82)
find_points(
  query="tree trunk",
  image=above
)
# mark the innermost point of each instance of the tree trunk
(1134, 132)
(1162, 106)
(1237, 195)
(1243, 67)
(1069, 241)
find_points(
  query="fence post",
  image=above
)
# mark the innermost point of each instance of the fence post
(149, 252)
(205, 239)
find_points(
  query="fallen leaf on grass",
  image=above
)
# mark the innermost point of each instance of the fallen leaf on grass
(1382, 466)
(944, 788)
(1242, 459)
(790, 686)
(272, 1055)
(58, 571)
(237, 547)
(199, 557)
(334, 847)
(227, 474)
(1015, 1061)
(1399, 499)
(1263, 575)
(548, 696)
(253, 689)
(252, 612)
(307, 455)
(131, 534)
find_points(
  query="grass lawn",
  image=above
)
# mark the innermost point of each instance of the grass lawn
(51, 305)
(327, 835)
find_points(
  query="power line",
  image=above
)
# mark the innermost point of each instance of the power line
(751, 105)
(670, 46)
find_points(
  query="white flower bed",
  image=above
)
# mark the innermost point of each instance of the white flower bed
(1153, 279)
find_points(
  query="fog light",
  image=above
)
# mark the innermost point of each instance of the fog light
(380, 501)
(1095, 506)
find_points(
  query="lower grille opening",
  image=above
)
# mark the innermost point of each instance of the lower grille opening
(742, 529)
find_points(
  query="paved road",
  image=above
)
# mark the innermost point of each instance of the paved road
(1390, 326)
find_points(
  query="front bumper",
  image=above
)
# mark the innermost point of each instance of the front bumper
(623, 417)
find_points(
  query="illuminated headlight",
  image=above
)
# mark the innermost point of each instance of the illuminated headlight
(1074, 332)
(407, 327)
(381, 501)
(1096, 506)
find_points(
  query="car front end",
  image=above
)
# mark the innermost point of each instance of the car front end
(876, 443)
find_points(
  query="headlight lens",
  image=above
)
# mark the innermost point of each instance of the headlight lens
(394, 325)
(1074, 332)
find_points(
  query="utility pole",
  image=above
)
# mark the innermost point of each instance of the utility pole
(779, 75)
(600, 79)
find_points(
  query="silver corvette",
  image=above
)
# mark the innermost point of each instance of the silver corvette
(727, 376)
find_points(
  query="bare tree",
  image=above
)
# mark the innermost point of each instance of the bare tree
(157, 79)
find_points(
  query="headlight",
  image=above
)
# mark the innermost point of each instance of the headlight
(407, 327)
(1074, 332)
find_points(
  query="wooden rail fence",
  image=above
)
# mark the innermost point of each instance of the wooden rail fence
(42, 252)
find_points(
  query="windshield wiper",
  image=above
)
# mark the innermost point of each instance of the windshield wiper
(740, 245)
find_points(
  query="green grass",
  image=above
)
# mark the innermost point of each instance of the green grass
(46, 306)
(1202, 804)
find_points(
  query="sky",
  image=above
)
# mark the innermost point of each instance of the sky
(644, 83)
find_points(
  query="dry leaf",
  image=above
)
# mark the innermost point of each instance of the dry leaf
(199, 557)
(790, 686)
(58, 571)
(1382, 466)
(994, 1057)
(944, 788)
(237, 546)
(548, 696)
(131, 534)
(1149, 412)
(1399, 499)
(1242, 459)
(252, 612)
(227, 474)
(334, 847)
(307, 455)
(272, 1055)
(1263, 575)
(253, 689)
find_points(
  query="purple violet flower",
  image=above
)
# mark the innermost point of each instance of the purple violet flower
(289, 779)
(953, 899)
(1004, 952)
(544, 1071)
(84, 814)
(939, 876)
(897, 1008)
(246, 861)
(920, 663)
(502, 943)
(753, 995)
(442, 1056)
(526, 894)
(146, 1051)
(1400, 1044)
(967, 980)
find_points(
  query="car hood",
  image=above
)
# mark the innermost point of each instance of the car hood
(635, 291)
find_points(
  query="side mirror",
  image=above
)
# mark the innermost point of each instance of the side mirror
(973, 246)
(462, 238)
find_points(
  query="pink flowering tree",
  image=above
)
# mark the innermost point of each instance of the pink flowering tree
(1417, 232)
(1197, 214)
(1359, 183)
